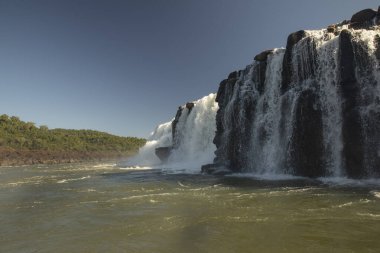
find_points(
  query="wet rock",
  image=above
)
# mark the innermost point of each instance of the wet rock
(174, 126)
(287, 71)
(163, 153)
(233, 75)
(377, 43)
(189, 106)
(363, 19)
(215, 169)
(363, 16)
(306, 149)
(226, 148)
(351, 126)
(331, 29)
(263, 56)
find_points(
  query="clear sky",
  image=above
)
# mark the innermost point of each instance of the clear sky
(125, 66)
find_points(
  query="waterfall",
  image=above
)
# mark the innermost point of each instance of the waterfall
(196, 131)
(161, 136)
(189, 137)
(312, 109)
(265, 146)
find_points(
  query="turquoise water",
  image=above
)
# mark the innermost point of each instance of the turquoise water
(104, 208)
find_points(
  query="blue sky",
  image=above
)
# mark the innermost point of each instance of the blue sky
(125, 66)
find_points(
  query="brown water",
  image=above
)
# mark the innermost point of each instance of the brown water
(102, 208)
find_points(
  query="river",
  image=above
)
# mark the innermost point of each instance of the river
(107, 208)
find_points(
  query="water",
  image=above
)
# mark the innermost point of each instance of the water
(194, 134)
(106, 208)
(312, 109)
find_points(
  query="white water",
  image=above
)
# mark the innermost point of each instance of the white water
(267, 153)
(196, 131)
(160, 137)
(265, 149)
(327, 48)
(315, 67)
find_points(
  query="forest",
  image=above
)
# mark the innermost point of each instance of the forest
(25, 138)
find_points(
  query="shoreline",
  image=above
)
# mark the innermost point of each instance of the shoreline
(12, 157)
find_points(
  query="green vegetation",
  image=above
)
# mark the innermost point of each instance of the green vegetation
(20, 135)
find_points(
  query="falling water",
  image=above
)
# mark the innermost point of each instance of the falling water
(298, 128)
(267, 151)
(194, 133)
(161, 136)
(299, 110)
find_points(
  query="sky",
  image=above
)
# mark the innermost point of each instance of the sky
(124, 66)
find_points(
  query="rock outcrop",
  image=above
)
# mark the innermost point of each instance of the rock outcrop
(311, 110)
(163, 153)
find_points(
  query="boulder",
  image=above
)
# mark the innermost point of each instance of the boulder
(215, 169)
(189, 106)
(163, 153)
(287, 71)
(363, 16)
(363, 19)
(233, 75)
(331, 29)
(263, 56)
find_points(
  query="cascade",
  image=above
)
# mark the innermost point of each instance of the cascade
(184, 143)
(311, 109)
(314, 107)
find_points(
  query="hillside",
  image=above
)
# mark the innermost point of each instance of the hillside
(24, 143)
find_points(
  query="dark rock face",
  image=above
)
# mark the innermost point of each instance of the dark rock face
(287, 72)
(174, 126)
(360, 108)
(377, 43)
(215, 169)
(263, 56)
(227, 148)
(306, 149)
(186, 109)
(353, 151)
(331, 29)
(163, 153)
(189, 106)
(363, 18)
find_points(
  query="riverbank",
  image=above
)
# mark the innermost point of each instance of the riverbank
(13, 157)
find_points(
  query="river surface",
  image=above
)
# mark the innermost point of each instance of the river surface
(105, 208)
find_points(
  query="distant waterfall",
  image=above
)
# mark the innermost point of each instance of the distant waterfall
(161, 136)
(194, 134)
(189, 136)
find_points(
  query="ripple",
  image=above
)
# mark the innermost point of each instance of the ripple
(72, 179)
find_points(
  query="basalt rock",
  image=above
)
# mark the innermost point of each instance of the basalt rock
(174, 126)
(311, 110)
(363, 19)
(189, 106)
(215, 169)
(306, 149)
(331, 29)
(363, 16)
(163, 153)
(287, 71)
(263, 56)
